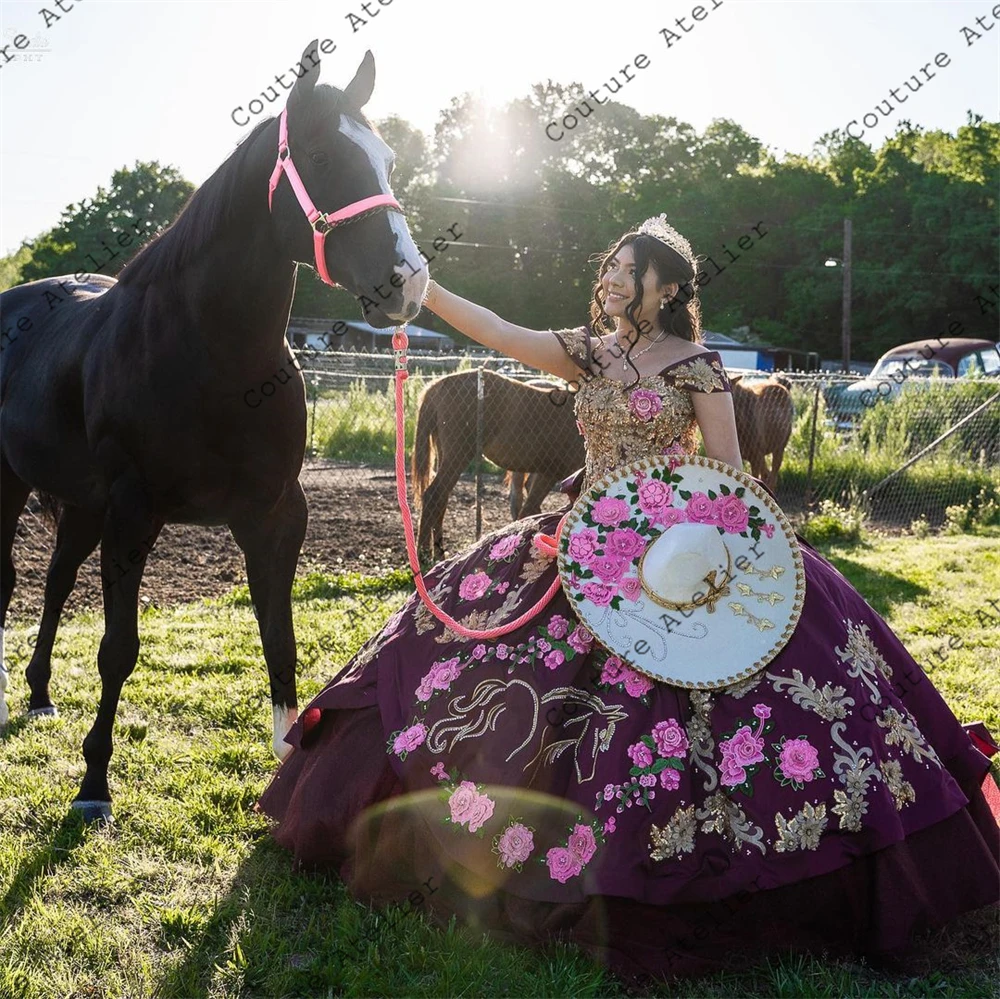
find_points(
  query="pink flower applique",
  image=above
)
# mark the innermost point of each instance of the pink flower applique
(505, 547)
(563, 864)
(609, 511)
(609, 568)
(439, 677)
(599, 594)
(581, 639)
(479, 651)
(502, 587)
(468, 805)
(613, 670)
(655, 498)
(582, 843)
(583, 545)
(644, 404)
(798, 762)
(474, 586)
(731, 514)
(670, 738)
(408, 740)
(636, 685)
(514, 845)
(700, 509)
(609, 826)
(640, 754)
(670, 779)
(502, 651)
(743, 751)
(624, 543)
(630, 588)
(555, 659)
(439, 771)
(762, 711)
(558, 626)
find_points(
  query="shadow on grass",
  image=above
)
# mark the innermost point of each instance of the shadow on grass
(71, 833)
(882, 589)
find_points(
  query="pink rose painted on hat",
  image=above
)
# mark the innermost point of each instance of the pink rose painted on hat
(731, 514)
(563, 864)
(581, 639)
(798, 760)
(600, 594)
(504, 547)
(672, 515)
(655, 497)
(515, 844)
(640, 754)
(409, 739)
(768, 529)
(624, 543)
(582, 843)
(613, 670)
(609, 511)
(558, 626)
(474, 586)
(583, 545)
(636, 684)
(609, 569)
(630, 588)
(644, 404)
(670, 738)
(700, 509)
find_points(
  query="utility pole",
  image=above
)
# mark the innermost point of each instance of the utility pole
(845, 333)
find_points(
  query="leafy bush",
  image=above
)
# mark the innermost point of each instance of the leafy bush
(835, 525)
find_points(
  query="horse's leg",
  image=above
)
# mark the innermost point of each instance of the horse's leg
(436, 497)
(540, 485)
(130, 530)
(271, 546)
(14, 496)
(516, 492)
(79, 532)
(777, 456)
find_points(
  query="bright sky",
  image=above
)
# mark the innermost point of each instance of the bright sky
(158, 79)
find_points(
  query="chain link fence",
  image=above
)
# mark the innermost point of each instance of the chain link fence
(920, 456)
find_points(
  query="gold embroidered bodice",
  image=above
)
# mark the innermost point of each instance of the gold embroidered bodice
(624, 422)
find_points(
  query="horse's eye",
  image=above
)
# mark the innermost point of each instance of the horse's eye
(319, 158)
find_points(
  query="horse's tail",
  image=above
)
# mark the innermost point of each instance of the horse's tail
(50, 509)
(423, 445)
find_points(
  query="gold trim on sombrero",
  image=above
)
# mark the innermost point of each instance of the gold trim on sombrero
(574, 521)
(716, 591)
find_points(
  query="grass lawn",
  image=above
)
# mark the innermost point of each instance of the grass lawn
(187, 896)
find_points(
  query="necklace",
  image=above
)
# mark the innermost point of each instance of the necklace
(625, 357)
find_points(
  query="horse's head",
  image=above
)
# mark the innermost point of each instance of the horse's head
(342, 160)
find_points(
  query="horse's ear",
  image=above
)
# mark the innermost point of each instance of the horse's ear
(309, 64)
(359, 90)
(733, 379)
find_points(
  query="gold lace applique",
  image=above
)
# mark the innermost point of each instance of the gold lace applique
(901, 790)
(801, 832)
(675, 838)
(722, 815)
(903, 732)
(576, 343)
(702, 375)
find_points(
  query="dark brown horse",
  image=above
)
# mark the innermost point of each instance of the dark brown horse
(138, 402)
(764, 417)
(526, 428)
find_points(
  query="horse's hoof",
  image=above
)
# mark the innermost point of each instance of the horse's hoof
(95, 811)
(46, 712)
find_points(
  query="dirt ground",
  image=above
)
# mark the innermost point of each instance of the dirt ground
(354, 525)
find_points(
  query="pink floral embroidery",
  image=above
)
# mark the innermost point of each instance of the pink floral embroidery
(625, 544)
(583, 545)
(438, 771)
(798, 761)
(630, 588)
(563, 864)
(639, 753)
(505, 547)
(558, 626)
(636, 684)
(502, 651)
(670, 779)
(655, 498)
(609, 569)
(581, 639)
(474, 586)
(467, 804)
(609, 826)
(731, 513)
(700, 509)
(670, 738)
(479, 651)
(612, 671)
(409, 739)
(644, 404)
(768, 529)
(600, 594)
(675, 515)
(609, 511)
(762, 711)
(515, 844)
(741, 751)
(582, 843)
(439, 677)
(502, 587)
(555, 659)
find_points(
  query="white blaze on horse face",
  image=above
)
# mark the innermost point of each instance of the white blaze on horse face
(284, 719)
(410, 265)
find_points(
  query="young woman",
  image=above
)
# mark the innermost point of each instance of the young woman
(492, 778)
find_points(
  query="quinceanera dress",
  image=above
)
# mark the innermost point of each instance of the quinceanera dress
(540, 788)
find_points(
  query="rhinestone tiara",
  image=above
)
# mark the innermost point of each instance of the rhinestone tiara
(659, 228)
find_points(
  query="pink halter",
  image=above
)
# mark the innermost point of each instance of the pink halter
(321, 224)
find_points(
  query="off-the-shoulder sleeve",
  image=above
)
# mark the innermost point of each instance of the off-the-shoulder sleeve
(703, 373)
(576, 343)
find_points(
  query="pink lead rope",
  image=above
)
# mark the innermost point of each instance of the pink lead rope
(543, 542)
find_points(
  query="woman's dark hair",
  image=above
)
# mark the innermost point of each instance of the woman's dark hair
(680, 316)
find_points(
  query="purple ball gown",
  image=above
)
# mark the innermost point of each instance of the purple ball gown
(539, 788)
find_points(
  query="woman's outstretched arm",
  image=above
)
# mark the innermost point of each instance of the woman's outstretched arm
(535, 348)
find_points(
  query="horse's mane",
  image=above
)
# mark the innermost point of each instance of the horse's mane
(218, 201)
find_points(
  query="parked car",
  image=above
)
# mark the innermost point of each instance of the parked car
(920, 360)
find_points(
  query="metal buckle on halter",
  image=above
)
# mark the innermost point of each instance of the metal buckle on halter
(284, 153)
(321, 221)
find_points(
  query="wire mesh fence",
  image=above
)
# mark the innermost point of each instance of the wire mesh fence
(925, 452)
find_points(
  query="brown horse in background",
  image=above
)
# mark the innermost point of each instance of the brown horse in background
(524, 430)
(764, 416)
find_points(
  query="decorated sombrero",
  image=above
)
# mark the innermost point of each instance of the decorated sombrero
(684, 567)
